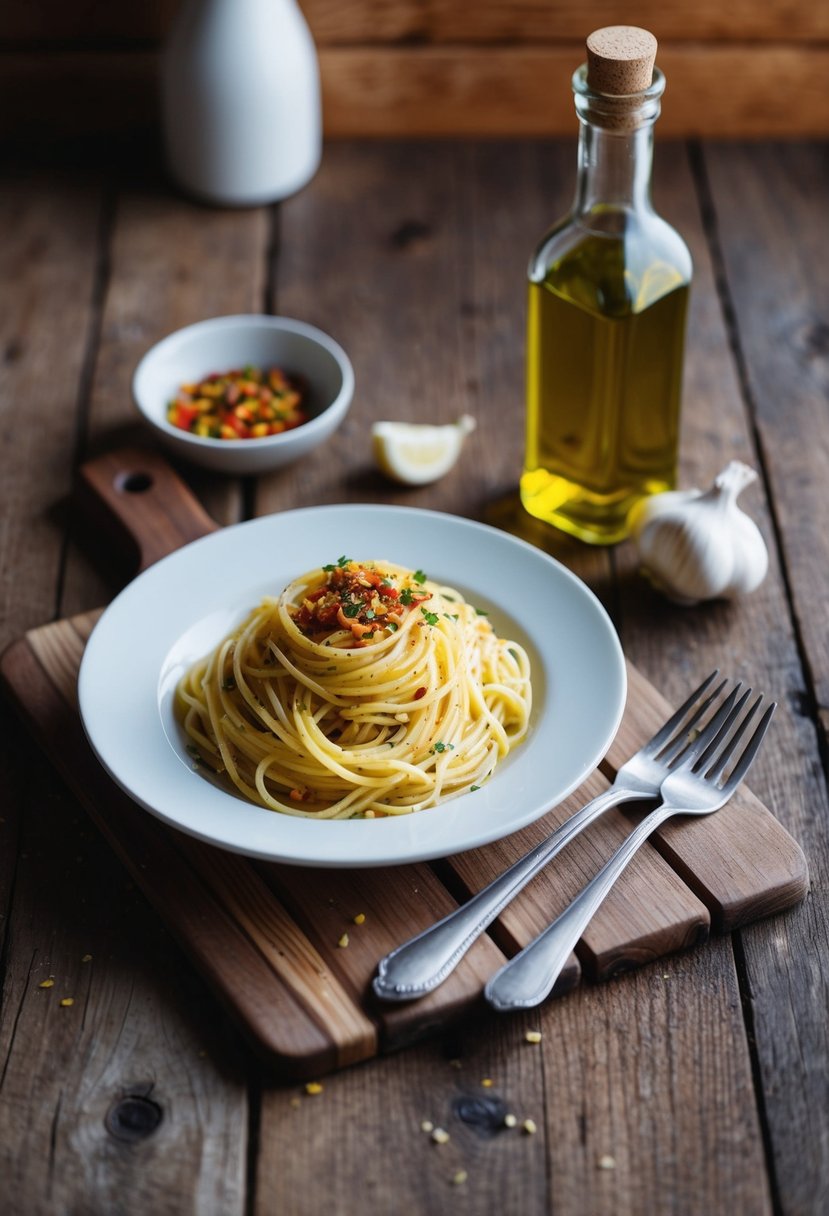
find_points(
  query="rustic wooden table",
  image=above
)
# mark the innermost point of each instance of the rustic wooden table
(699, 1085)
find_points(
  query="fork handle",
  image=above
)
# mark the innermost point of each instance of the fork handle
(420, 965)
(528, 978)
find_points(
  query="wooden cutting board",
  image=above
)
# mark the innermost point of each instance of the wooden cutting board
(267, 937)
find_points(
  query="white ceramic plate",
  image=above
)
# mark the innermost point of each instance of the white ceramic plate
(176, 611)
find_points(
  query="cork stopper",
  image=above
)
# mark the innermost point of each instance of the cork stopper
(620, 60)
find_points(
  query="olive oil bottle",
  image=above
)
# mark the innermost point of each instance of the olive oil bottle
(608, 295)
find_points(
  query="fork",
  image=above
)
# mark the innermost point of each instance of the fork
(697, 786)
(424, 962)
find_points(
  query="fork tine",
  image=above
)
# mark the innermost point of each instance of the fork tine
(677, 746)
(717, 731)
(664, 735)
(750, 751)
(722, 719)
(729, 747)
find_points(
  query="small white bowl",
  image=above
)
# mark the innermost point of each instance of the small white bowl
(262, 341)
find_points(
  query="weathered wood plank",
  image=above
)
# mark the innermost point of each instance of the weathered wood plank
(526, 90)
(47, 275)
(171, 263)
(621, 1073)
(361, 1142)
(438, 90)
(538, 21)
(133, 1090)
(47, 279)
(350, 22)
(84, 1085)
(629, 1069)
(769, 206)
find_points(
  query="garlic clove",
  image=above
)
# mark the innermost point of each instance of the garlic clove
(696, 546)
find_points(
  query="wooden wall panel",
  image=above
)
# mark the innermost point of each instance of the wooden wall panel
(438, 67)
(358, 22)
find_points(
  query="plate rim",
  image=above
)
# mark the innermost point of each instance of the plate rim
(377, 856)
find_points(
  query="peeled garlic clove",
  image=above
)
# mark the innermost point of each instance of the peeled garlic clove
(696, 546)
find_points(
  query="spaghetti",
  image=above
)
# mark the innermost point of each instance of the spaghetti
(365, 690)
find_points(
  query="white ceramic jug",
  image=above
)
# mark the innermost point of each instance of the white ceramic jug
(241, 100)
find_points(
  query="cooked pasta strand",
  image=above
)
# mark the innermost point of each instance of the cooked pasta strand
(369, 690)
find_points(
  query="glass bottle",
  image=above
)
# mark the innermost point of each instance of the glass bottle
(608, 295)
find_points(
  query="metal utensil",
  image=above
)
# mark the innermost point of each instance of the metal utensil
(697, 786)
(424, 962)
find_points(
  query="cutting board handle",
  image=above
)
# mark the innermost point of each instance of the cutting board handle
(137, 498)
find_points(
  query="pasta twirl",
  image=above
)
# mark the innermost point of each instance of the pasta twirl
(363, 690)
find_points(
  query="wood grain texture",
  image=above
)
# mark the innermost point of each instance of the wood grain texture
(620, 1072)
(110, 1096)
(396, 903)
(648, 914)
(47, 278)
(567, 20)
(526, 90)
(441, 90)
(169, 263)
(350, 22)
(380, 1158)
(766, 208)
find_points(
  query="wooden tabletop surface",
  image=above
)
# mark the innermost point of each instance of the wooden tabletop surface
(696, 1085)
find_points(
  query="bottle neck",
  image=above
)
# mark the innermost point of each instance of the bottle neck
(615, 149)
(614, 169)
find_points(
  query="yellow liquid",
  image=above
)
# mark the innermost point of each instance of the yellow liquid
(604, 377)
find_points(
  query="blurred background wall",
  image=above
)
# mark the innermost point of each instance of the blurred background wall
(735, 68)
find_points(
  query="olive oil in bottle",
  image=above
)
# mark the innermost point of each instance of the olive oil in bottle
(608, 296)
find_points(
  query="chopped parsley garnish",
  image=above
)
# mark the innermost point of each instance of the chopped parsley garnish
(352, 608)
(431, 618)
(472, 788)
(481, 612)
(419, 577)
(442, 747)
(406, 596)
(341, 562)
(392, 626)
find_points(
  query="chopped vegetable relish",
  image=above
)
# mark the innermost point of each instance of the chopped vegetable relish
(239, 404)
(359, 598)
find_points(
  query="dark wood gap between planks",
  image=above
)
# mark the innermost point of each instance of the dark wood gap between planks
(254, 1089)
(744, 988)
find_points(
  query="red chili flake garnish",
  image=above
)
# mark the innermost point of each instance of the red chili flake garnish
(420, 692)
(358, 598)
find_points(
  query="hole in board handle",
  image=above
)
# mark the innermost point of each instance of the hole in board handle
(133, 483)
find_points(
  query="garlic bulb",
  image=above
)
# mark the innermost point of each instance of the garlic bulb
(700, 546)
